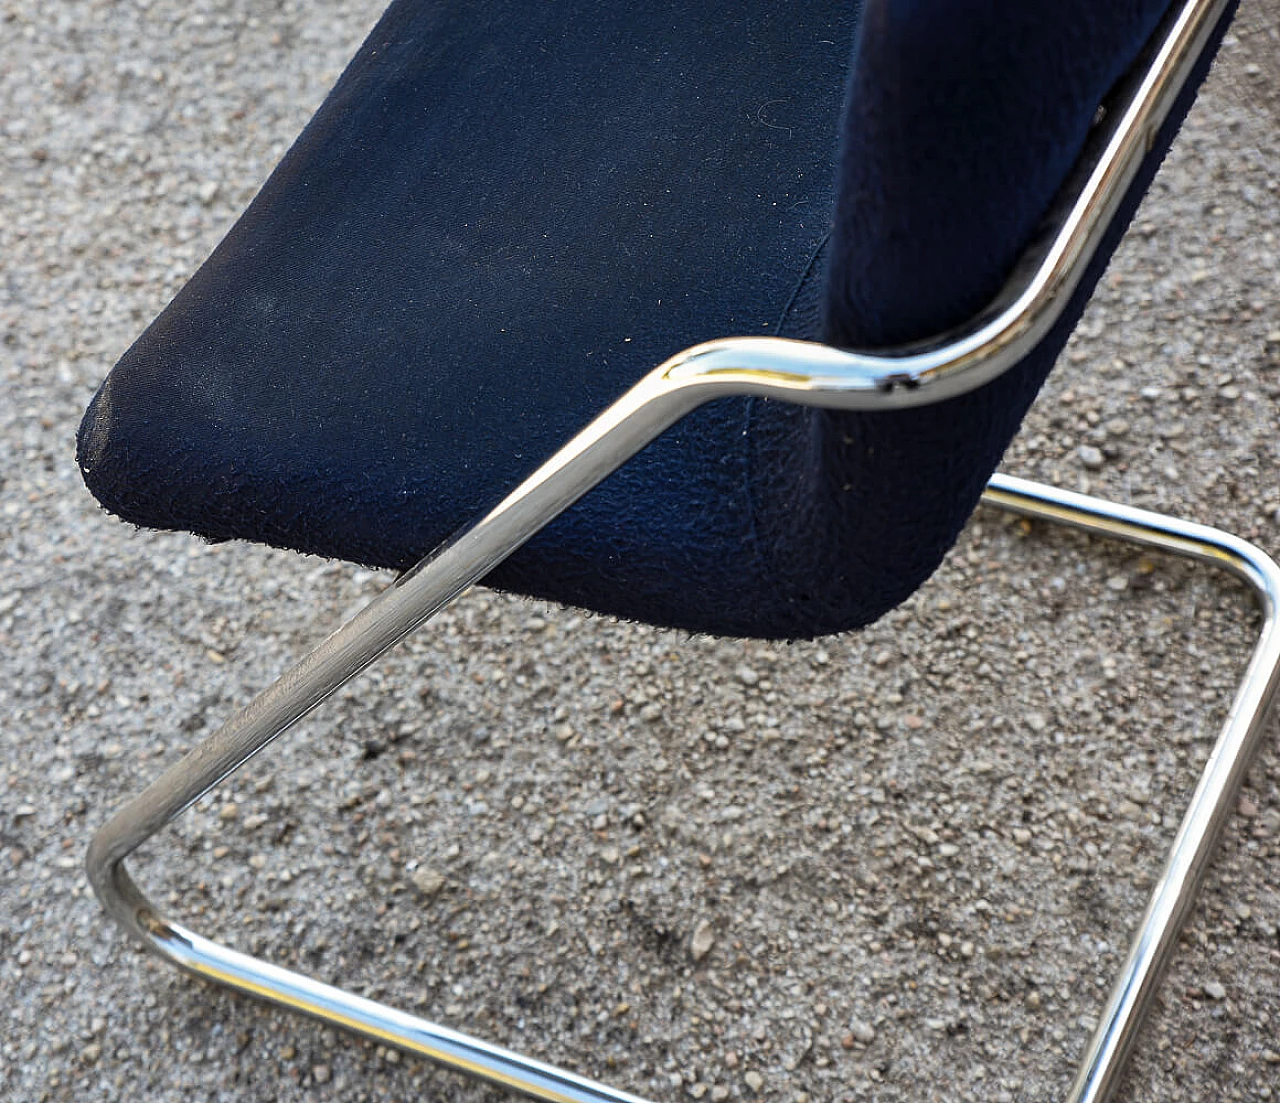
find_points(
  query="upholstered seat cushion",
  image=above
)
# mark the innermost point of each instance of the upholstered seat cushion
(507, 212)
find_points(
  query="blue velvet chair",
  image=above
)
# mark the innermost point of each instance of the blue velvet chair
(564, 298)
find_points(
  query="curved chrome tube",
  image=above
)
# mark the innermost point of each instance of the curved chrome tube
(1214, 798)
(360, 640)
(962, 360)
(791, 371)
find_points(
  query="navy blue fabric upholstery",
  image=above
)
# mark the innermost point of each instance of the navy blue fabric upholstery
(506, 213)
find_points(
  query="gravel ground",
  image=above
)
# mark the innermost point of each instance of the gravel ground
(898, 865)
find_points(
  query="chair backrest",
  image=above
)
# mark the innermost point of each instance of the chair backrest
(961, 123)
(505, 214)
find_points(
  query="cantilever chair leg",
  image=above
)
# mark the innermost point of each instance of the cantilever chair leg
(360, 641)
(788, 371)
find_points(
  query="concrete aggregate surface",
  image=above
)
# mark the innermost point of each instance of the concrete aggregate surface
(898, 865)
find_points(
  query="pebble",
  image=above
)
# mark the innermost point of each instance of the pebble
(427, 881)
(320, 1074)
(862, 1031)
(746, 675)
(1090, 456)
(1215, 991)
(753, 1080)
(704, 938)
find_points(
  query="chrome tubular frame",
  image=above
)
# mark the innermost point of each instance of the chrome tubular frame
(791, 371)
(362, 638)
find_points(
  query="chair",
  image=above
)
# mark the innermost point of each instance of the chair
(751, 485)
